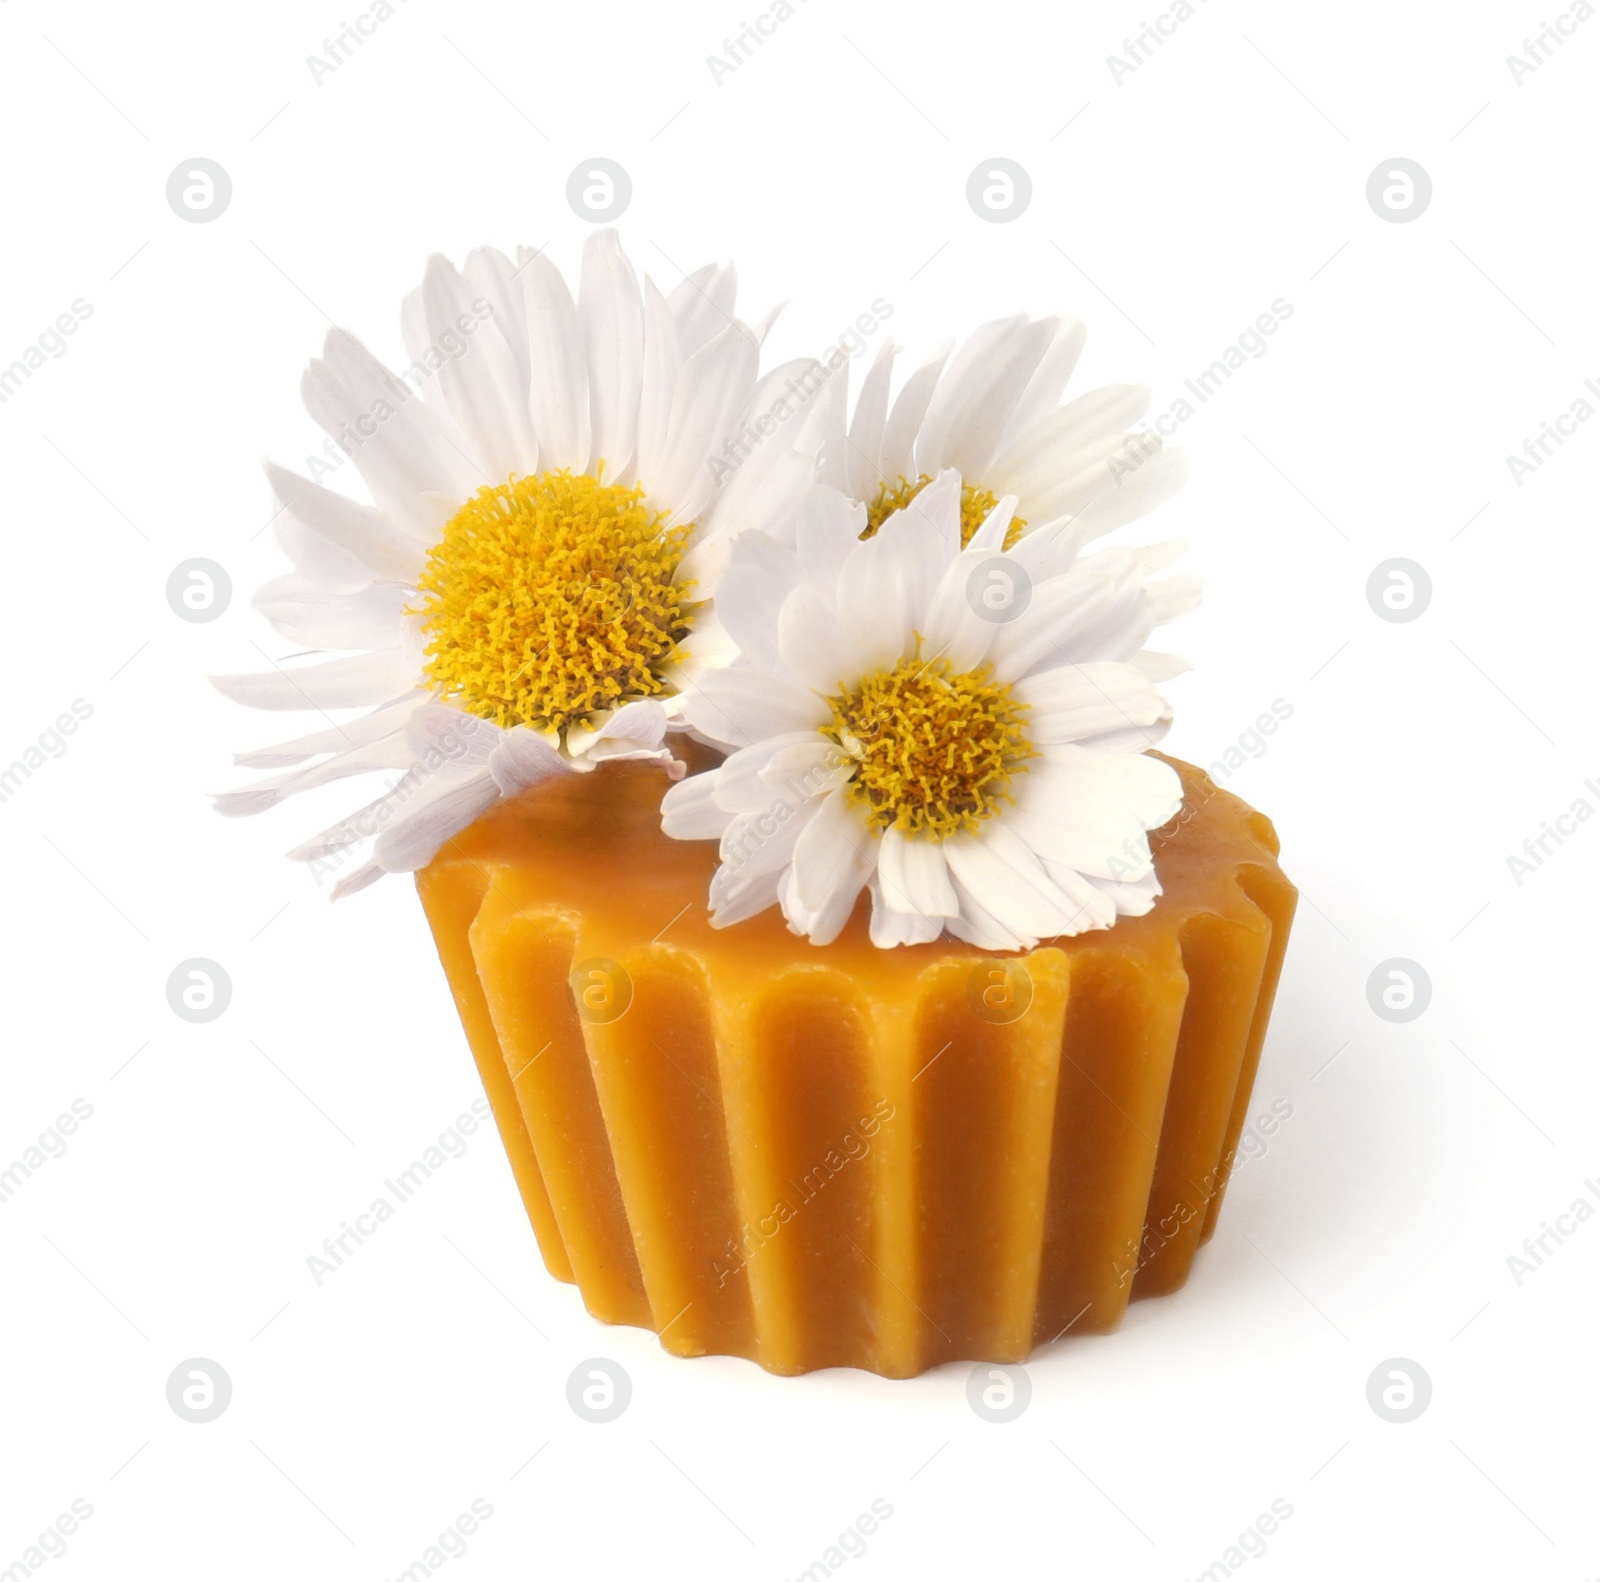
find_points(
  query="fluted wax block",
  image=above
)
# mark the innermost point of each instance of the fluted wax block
(843, 1156)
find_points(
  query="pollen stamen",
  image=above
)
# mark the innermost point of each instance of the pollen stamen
(552, 598)
(934, 749)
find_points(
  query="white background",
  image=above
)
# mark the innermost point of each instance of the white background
(1168, 210)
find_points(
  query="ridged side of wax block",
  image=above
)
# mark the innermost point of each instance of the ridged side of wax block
(1222, 960)
(452, 896)
(810, 1114)
(1232, 959)
(524, 960)
(1276, 898)
(1123, 1014)
(983, 1106)
(659, 1081)
(826, 1164)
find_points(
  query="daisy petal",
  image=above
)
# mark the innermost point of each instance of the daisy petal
(347, 683)
(366, 544)
(1074, 702)
(448, 802)
(906, 415)
(558, 386)
(741, 705)
(890, 928)
(702, 306)
(303, 612)
(612, 314)
(867, 427)
(1049, 379)
(384, 721)
(689, 810)
(833, 858)
(481, 379)
(914, 876)
(711, 394)
(523, 758)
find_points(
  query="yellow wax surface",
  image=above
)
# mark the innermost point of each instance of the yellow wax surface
(845, 1156)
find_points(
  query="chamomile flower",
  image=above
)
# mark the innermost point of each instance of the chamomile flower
(992, 409)
(526, 595)
(954, 723)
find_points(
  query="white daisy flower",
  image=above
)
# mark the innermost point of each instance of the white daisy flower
(527, 595)
(992, 410)
(961, 731)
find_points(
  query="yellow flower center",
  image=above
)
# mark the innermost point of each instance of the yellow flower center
(976, 504)
(934, 749)
(548, 599)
